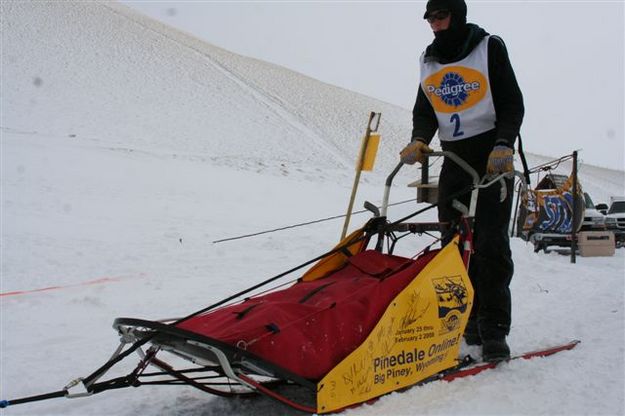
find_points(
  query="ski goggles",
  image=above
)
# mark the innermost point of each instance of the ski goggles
(439, 15)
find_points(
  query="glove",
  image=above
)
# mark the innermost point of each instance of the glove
(414, 152)
(500, 160)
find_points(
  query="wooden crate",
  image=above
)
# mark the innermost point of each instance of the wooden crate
(595, 243)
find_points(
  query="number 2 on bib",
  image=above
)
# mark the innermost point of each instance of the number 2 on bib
(455, 118)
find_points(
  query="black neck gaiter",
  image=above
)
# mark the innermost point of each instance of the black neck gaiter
(455, 43)
(449, 43)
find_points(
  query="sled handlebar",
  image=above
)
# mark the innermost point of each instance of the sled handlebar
(477, 182)
(459, 161)
(387, 189)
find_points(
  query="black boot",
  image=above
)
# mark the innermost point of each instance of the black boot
(471, 333)
(472, 338)
(495, 350)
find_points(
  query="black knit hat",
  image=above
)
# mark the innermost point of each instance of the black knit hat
(458, 8)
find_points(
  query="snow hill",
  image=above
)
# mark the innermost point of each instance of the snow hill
(101, 73)
(129, 147)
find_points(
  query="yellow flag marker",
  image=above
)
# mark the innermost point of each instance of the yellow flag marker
(371, 151)
(368, 150)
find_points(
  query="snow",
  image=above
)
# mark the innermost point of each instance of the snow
(129, 147)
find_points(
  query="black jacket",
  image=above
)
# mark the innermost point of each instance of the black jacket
(507, 96)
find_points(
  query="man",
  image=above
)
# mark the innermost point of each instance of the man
(469, 93)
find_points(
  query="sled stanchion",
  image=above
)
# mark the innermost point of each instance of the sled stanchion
(384, 208)
(387, 188)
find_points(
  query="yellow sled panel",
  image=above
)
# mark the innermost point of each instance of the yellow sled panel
(418, 336)
(338, 259)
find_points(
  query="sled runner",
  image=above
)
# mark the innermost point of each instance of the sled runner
(360, 323)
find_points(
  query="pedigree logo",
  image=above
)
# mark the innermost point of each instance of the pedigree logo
(455, 88)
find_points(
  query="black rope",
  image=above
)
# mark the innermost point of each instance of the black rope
(304, 223)
(116, 383)
(47, 396)
(274, 278)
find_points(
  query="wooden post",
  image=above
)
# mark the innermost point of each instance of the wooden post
(575, 211)
(359, 163)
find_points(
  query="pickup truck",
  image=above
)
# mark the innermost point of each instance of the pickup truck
(594, 220)
(615, 219)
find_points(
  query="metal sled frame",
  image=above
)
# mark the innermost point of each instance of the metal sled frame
(221, 369)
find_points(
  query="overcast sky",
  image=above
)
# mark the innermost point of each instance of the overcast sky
(568, 55)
